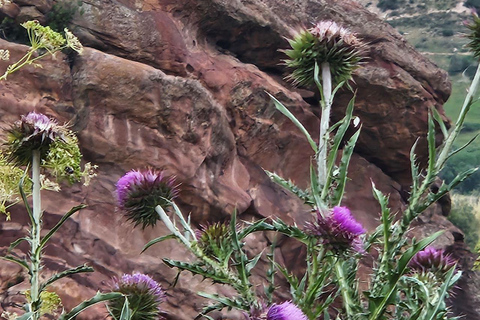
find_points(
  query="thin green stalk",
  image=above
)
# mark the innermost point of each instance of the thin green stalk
(324, 124)
(173, 229)
(442, 158)
(344, 289)
(233, 279)
(25, 60)
(35, 237)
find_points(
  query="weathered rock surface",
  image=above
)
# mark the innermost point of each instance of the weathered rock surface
(181, 85)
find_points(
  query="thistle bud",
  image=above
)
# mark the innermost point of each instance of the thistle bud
(215, 240)
(144, 296)
(474, 35)
(432, 260)
(338, 230)
(325, 42)
(139, 192)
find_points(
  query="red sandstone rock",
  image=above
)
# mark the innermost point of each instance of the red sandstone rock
(181, 85)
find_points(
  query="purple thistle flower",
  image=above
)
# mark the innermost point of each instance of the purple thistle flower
(144, 296)
(339, 231)
(433, 260)
(35, 131)
(139, 192)
(285, 311)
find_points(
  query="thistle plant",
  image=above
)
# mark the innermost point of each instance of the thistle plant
(217, 248)
(43, 42)
(410, 279)
(39, 146)
(337, 52)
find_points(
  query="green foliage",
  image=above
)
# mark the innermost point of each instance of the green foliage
(43, 42)
(63, 160)
(463, 216)
(10, 177)
(50, 301)
(460, 63)
(447, 32)
(98, 298)
(472, 4)
(59, 18)
(474, 36)
(62, 13)
(13, 31)
(467, 159)
(390, 4)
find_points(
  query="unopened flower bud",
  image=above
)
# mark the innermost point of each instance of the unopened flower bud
(432, 260)
(325, 42)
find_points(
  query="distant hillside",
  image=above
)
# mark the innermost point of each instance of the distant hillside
(436, 28)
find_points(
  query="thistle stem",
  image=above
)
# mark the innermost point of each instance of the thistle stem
(442, 158)
(324, 124)
(35, 236)
(344, 289)
(241, 286)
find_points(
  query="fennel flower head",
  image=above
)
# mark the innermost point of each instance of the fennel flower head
(139, 192)
(338, 230)
(144, 295)
(324, 42)
(432, 260)
(57, 145)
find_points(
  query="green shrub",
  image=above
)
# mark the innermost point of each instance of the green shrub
(471, 127)
(390, 4)
(12, 31)
(469, 158)
(59, 18)
(459, 63)
(62, 14)
(463, 216)
(473, 4)
(447, 32)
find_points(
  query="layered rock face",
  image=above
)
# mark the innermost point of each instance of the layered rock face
(181, 85)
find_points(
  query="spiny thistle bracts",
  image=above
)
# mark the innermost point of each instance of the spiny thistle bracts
(474, 35)
(325, 42)
(432, 260)
(338, 230)
(139, 192)
(215, 240)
